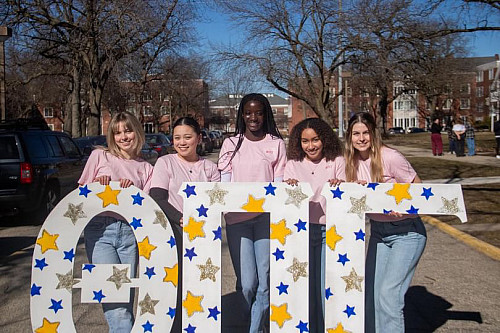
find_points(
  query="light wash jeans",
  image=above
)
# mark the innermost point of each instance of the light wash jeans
(471, 146)
(317, 242)
(248, 243)
(393, 253)
(110, 241)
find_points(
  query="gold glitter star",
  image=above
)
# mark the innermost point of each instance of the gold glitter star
(66, 281)
(449, 206)
(48, 327)
(332, 238)
(400, 192)
(254, 205)
(279, 314)
(109, 196)
(148, 305)
(353, 281)
(280, 231)
(338, 329)
(359, 206)
(75, 212)
(47, 241)
(145, 248)
(160, 219)
(216, 195)
(298, 269)
(295, 196)
(194, 229)
(208, 270)
(192, 304)
(119, 277)
(171, 274)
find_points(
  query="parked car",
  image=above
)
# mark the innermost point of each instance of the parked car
(37, 167)
(396, 130)
(216, 139)
(160, 143)
(209, 144)
(415, 130)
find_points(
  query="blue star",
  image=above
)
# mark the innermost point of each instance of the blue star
(69, 255)
(270, 189)
(190, 254)
(279, 254)
(136, 223)
(98, 295)
(412, 210)
(171, 241)
(217, 233)
(35, 290)
(387, 211)
(328, 293)
(88, 267)
(137, 199)
(301, 225)
(150, 271)
(302, 326)
(40, 263)
(360, 235)
(343, 259)
(84, 191)
(427, 193)
(214, 312)
(148, 327)
(349, 311)
(56, 305)
(190, 329)
(171, 312)
(202, 211)
(372, 185)
(283, 288)
(337, 193)
(189, 190)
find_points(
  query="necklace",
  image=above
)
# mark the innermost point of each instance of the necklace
(315, 166)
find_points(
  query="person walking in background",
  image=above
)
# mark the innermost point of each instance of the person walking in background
(459, 131)
(496, 129)
(256, 153)
(436, 140)
(315, 157)
(397, 241)
(451, 137)
(470, 138)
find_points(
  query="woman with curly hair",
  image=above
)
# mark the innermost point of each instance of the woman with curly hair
(315, 157)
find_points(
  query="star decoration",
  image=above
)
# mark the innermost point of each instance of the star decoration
(298, 269)
(172, 274)
(217, 233)
(302, 326)
(190, 329)
(387, 211)
(337, 193)
(217, 195)
(148, 305)
(343, 259)
(145, 248)
(349, 311)
(208, 270)
(171, 312)
(338, 329)
(137, 199)
(98, 295)
(372, 185)
(40, 263)
(136, 223)
(56, 305)
(270, 189)
(359, 206)
(109, 196)
(202, 211)
(427, 193)
(160, 219)
(88, 267)
(254, 205)
(360, 235)
(189, 190)
(412, 210)
(279, 254)
(171, 241)
(449, 206)
(213, 312)
(190, 254)
(332, 238)
(150, 271)
(48, 327)
(295, 196)
(119, 277)
(328, 293)
(47, 241)
(148, 327)
(66, 281)
(353, 281)
(282, 288)
(279, 314)
(84, 190)
(301, 225)
(400, 192)
(69, 255)
(280, 231)
(194, 229)
(75, 212)
(35, 290)
(192, 303)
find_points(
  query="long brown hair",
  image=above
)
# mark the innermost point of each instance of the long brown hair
(132, 123)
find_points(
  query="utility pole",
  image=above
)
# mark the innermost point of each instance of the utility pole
(5, 33)
(340, 85)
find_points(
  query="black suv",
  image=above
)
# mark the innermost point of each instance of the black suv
(37, 166)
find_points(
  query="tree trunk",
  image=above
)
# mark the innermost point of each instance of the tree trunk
(76, 128)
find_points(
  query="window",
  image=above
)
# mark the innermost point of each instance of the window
(465, 88)
(464, 103)
(148, 127)
(163, 109)
(479, 91)
(69, 147)
(479, 76)
(48, 112)
(148, 111)
(55, 146)
(51, 126)
(227, 112)
(147, 97)
(131, 109)
(275, 111)
(447, 104)
(491, 74)
(131, 98)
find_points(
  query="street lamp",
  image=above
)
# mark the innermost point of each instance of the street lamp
(5, 33)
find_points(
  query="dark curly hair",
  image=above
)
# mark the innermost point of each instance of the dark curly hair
(332, 147)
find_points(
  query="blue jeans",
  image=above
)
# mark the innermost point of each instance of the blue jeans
(393, 253)
(471, 146)
(317, 242)
(110, 241)
(248, 243)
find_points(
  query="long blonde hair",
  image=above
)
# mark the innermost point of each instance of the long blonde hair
(352, 155)
(130, 122)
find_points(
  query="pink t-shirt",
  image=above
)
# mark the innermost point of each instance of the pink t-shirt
(316, 175)
(171, 170)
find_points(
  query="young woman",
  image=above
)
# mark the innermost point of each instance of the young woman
(315, 157)
(169, 173)
(397, 242)
(255, 154)
(436, 140)
(108, 237)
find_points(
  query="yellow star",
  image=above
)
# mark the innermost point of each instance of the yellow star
(254, 205)
(338, 329)
(47, 241)
(279, 231)
(192, 304)
(194, 229)
(171, 274)
(279, 314)
(332, 238)
(400, 192)
(145, 248)
(48, 327)
(109, 196)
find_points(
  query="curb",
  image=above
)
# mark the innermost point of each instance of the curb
(477, 244)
